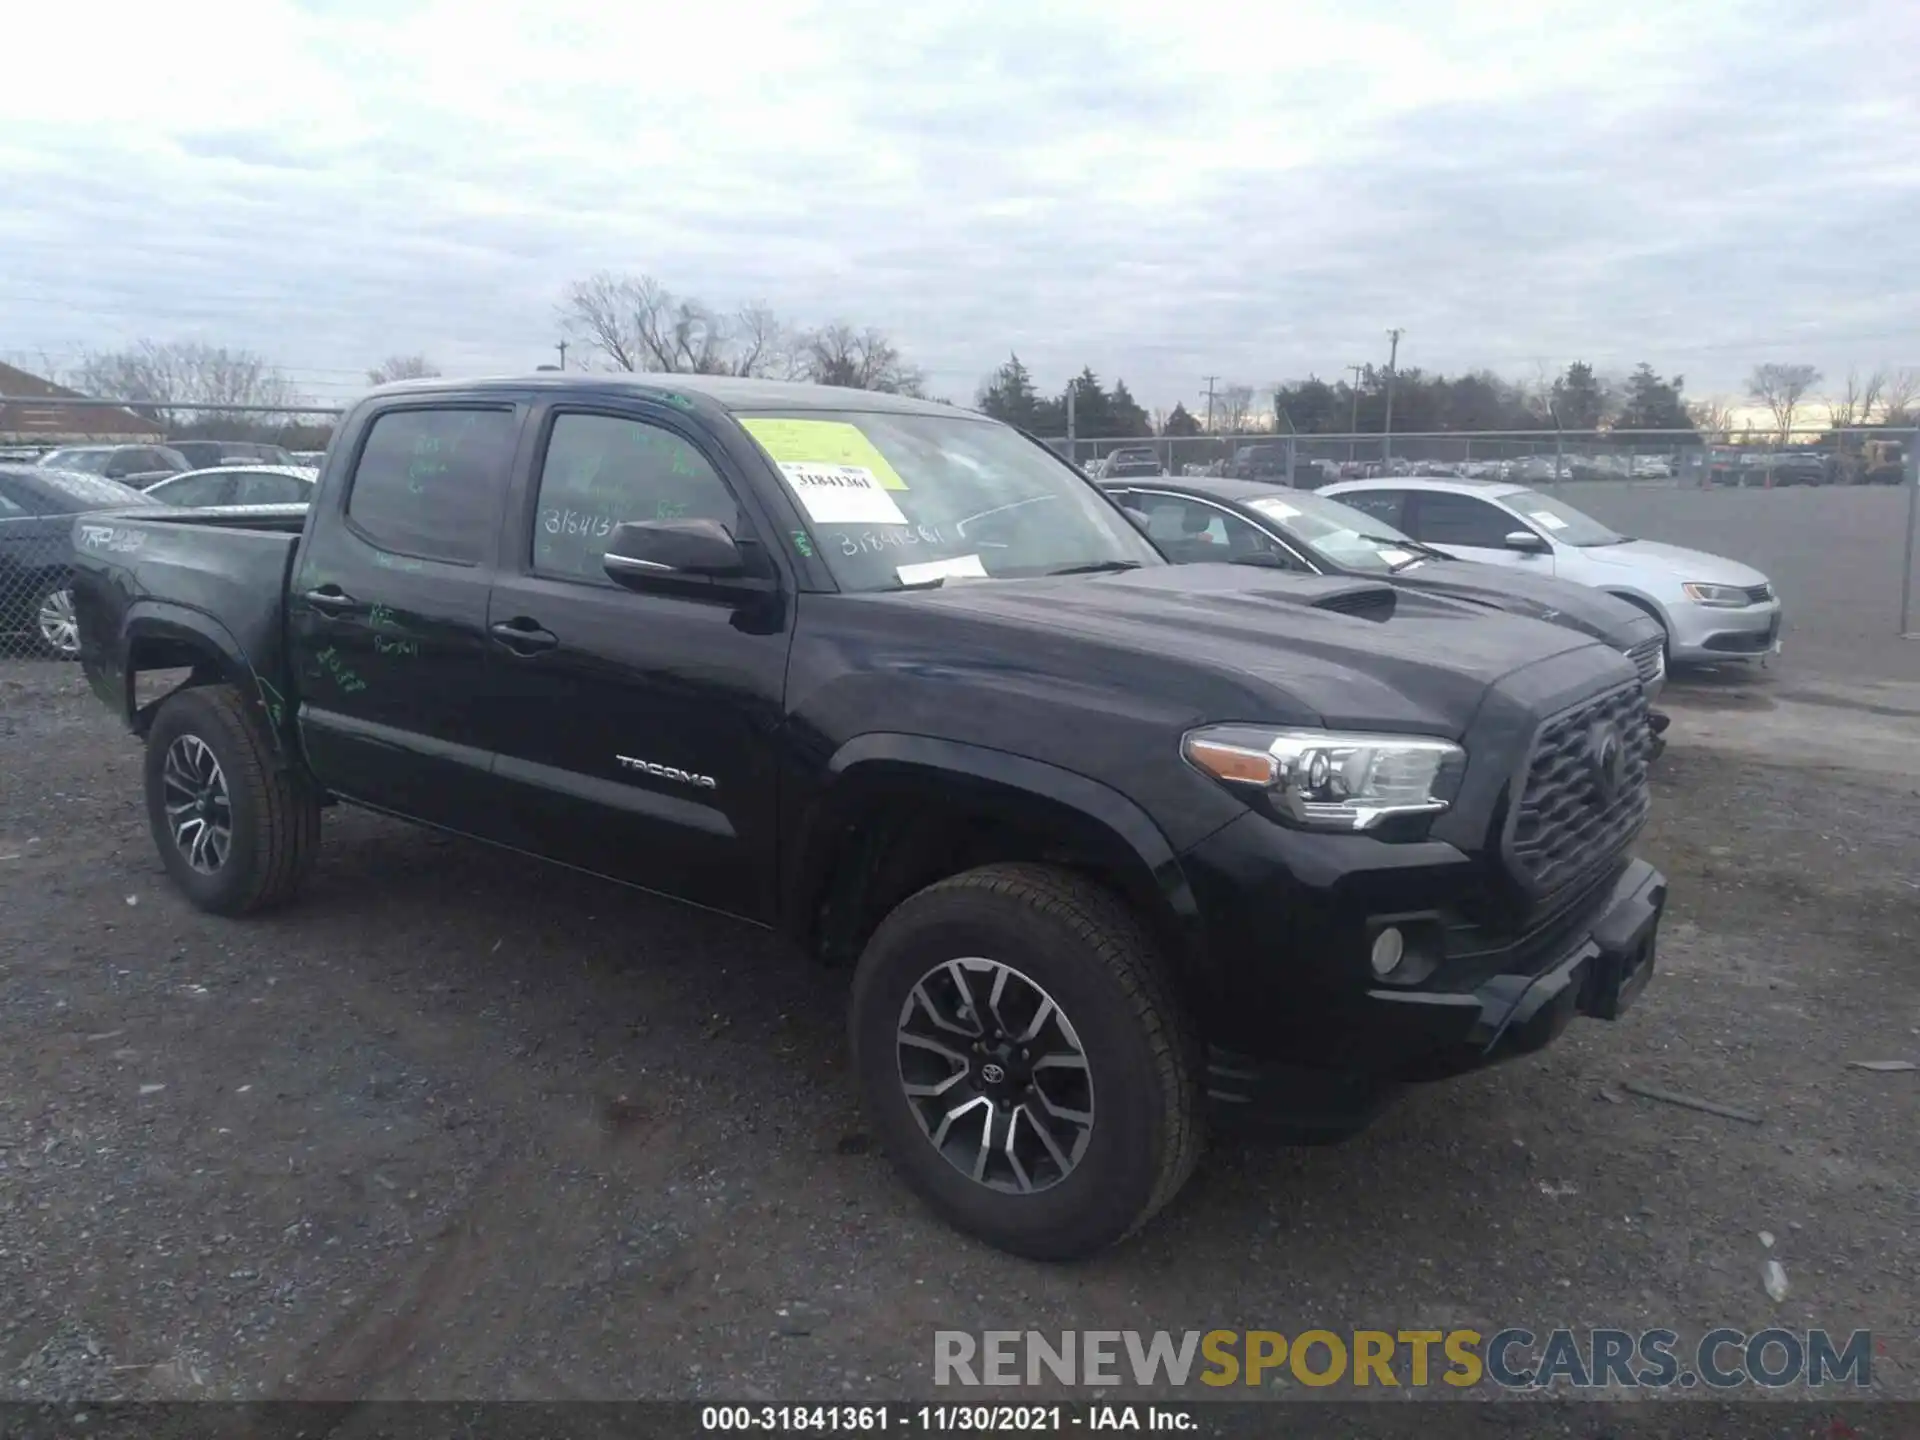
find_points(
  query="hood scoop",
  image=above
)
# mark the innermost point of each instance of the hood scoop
(1364, 599)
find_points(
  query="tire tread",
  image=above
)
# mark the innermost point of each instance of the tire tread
(289, 814)
(1103, 922)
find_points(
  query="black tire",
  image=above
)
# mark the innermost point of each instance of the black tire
(1087, 951)
(54, 598)
(274, 817)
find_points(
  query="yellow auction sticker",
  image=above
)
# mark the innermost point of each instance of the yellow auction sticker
(821, 442)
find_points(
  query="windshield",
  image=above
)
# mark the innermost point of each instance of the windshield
(898, 500)
(90, 492)
(1350, 538)
(89, 460)
(1563, 524)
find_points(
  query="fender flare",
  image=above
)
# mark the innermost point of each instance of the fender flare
(1063, 794)
(170, 621)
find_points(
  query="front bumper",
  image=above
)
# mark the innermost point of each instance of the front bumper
(1592, 959)
(1706, 634)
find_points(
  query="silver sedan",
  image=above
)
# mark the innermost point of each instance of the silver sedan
(1713, 609)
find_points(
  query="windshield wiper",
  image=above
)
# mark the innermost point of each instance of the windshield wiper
(1097, 567)
(1420, 552)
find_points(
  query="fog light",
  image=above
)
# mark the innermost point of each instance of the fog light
(1388, 948)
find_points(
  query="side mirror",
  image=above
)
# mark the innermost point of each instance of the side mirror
(1527, 542)
(688, 557)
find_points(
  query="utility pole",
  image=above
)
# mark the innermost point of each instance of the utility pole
(1393, 357)
(1353, 422)
(562, 348)
(1210, 379)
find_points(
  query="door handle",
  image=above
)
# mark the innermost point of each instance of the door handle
(330, 599)
(524, 636)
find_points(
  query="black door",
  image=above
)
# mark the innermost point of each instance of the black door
(387, 613)
(634, 733)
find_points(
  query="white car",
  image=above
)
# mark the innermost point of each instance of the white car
(1712, 609)
(236, 484)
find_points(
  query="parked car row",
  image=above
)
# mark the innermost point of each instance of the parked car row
(1115, 848)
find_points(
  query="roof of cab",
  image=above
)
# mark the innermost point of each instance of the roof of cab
(728, 392)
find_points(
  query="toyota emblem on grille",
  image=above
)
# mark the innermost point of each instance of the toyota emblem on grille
(1606, 761)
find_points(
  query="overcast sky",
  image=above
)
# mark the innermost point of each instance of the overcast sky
(1252, 192)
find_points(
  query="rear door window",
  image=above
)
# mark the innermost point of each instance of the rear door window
(429, 481)
(1443, 518)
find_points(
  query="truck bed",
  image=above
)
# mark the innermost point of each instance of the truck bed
(144, 579)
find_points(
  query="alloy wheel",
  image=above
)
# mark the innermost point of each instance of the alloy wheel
(199, 813)
(59, 630)
(995, 1074)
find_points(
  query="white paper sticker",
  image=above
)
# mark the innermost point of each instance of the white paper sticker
(1396, 557)
(961, 567)
(841, 494)
(1279, 509)
(1552, 522)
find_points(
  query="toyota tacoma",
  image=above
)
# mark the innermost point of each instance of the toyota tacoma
(1113, 847)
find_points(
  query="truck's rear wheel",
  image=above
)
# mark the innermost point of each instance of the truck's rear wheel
(235, 829)
(1026, 1061)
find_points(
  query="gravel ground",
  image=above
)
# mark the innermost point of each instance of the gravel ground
(457, 1125)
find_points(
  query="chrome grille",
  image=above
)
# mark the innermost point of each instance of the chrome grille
(1569, 818)
(1647, 658)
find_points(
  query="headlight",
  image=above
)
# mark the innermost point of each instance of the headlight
(1727, 597)
(1331, 781)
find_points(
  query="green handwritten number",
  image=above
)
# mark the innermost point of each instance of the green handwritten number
(803, 544)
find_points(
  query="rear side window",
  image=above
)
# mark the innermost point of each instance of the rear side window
(263, 487)
(195, 490)
(429, 481)
(604, 470)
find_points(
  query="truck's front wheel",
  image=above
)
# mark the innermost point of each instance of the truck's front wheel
(236, 830)
(1026, 1060)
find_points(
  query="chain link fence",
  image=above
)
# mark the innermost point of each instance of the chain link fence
(101, 452)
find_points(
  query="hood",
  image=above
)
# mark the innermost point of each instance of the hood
(1674, 560)
(1537, 597)
(1235, 642)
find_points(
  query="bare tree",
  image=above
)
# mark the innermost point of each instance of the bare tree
(837, 354)
(180, 383)
(764, 345)
(636, 323)
(1714, 418)
(1781, 388)
(1232, 409)
(1900, 398)
(402, 367)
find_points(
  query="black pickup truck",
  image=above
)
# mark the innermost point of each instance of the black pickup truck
(1102, 838)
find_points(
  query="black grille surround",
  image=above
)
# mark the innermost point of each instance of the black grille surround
(1758, 594)
(1647, 658)
(1578, 805)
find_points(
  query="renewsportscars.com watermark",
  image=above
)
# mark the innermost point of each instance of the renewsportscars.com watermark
(1512, 1359)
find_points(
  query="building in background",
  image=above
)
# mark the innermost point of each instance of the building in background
(25, 424)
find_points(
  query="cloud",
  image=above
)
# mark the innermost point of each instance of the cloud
(1224, 190)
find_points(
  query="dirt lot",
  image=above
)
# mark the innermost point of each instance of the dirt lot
(457, 1125)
